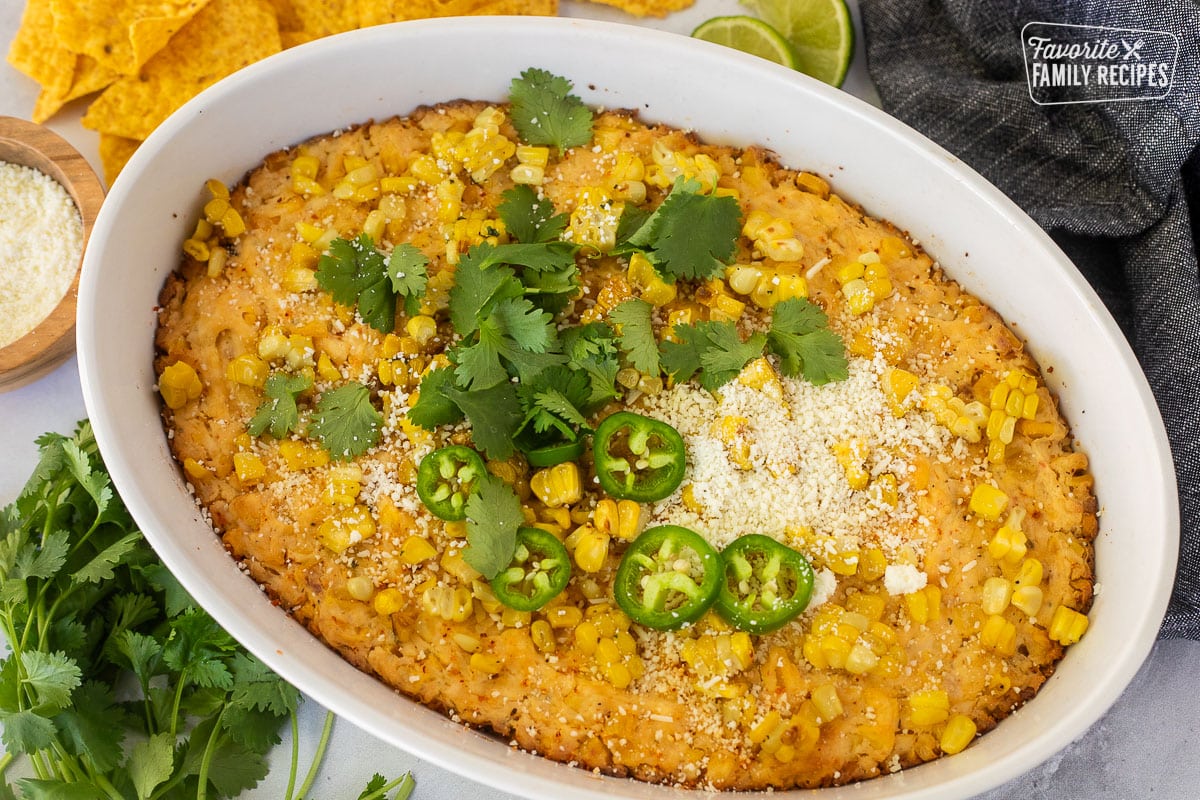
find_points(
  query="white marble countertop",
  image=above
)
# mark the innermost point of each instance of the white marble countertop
(1146, 746)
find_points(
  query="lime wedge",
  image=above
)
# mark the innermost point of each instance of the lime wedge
(820, 31)
(749, 35)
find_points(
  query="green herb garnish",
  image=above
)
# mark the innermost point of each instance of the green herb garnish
(362, 277)
(279, 415)
(493, 516)
(690, 235)
(637, 334)
(345, 421)
(544, 111)
(91, 615)
(800, 336)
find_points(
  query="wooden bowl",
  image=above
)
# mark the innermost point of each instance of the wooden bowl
(53, 340)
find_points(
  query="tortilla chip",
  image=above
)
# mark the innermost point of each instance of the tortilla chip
(121, 35)
(317, 18)
(226, 35)
(34, 52)
(378, 12)
(647, 8)
(114, 152)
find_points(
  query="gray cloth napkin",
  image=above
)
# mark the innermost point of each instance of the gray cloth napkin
(1116, 184)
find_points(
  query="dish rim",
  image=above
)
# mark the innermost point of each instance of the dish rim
(535, 779)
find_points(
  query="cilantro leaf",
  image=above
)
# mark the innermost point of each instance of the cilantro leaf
(51, 677)
(800, 336)
(493, 516)
(355, 273)
(406, 271)
(544, 112)
(477, 286)
(681, 356)
(494, 414)
(712, 349)
(432, 407)
(637, 334)
(515, 331)
(592, 350)
(279, 414)
(100, 567)
(727, 354)
(26, 732)
(554, 400)
(151, 762)
(528, 218)
(93, 725)
(690, 235)
(345, 421)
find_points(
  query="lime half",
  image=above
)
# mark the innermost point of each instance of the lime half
(749, 35)
(820, 31)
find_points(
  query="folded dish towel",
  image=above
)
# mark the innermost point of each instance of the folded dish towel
(1116, 182)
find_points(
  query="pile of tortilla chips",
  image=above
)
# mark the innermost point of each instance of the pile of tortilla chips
(146, 58)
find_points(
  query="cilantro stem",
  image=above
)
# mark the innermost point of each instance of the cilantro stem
(206, 761)
(318, 756)
(183, 679)
(5, 760)
(406, 782)
(295, 755)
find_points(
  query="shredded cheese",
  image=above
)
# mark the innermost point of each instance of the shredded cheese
(41, 239)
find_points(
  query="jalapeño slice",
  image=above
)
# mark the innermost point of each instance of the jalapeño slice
(445, 479)
(538, 572)
(667, 578)
(765, 584)
(551, 454)
(637, 458)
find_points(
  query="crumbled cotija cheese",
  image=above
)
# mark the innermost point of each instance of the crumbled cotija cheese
(41, 239)
(796, 481)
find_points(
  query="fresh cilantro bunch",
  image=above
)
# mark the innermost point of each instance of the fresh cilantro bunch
(115, 684)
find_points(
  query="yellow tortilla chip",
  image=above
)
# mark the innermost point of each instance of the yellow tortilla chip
(114, 152)
(120, 34)
(647, 8)
(317, 18)
(34, 52)
(224, 37)
(378, 12)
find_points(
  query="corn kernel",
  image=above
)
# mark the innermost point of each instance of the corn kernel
(485, 663)
(558, 485)
(591, 550)
(959, 732)
(179, 385)
(996, 595)
(999, 634)
(928, 707)
(829, 705)
(564, 617)
(388, 601)
(1028, 599)
(249, 467)
(1067, 625)
(416, 549)
(988, 502)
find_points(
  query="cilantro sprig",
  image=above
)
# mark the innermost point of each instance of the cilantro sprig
(115, 684)
(493, 516)
(544, 111)
(345, 422)
(279, 414)
(799, 336)
(359, 275)
(690, 234)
